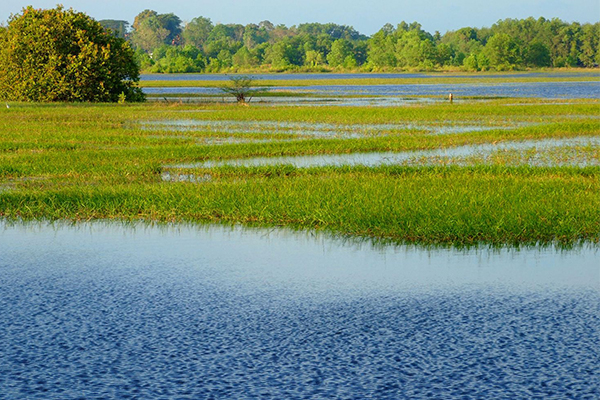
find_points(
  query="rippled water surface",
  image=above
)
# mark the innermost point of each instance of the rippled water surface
(544, 90)
(226, 77)
(100, 311)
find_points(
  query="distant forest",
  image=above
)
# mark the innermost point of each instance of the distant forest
(164, 44)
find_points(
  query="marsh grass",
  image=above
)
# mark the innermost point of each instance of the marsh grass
(82, 161)
(432, 79)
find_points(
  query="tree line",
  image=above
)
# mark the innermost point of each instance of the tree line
(163, 43)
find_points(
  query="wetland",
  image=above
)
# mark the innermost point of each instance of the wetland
(372, 246)
(101, 309)
(499, 171)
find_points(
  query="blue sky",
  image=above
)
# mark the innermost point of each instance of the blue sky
(367, 16)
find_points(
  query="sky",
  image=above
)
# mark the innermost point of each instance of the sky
(366, 16)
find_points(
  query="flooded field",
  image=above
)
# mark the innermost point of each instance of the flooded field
(298, 100)
(460, 155)
(95, 310)
(441, 251)
(379, 89)
(306, 76)
(546, 90)
(320, 130)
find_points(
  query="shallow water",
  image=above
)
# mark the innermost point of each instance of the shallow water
(226, 77)
(544, 90)
(314, 101)
(320, 130)
(407, 157)
(100, 310)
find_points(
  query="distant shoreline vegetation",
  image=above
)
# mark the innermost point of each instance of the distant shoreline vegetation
(163, 44)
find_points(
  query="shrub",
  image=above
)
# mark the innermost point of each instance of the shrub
(58, 55)
(241, 87)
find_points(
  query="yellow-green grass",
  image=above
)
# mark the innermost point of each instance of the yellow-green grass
(84, 161)
(451, 79)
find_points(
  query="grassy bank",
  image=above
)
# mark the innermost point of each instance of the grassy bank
(431, 78)
(98, 162)
(434, 79)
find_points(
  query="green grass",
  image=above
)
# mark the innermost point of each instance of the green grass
(434, 78)
(81, 161)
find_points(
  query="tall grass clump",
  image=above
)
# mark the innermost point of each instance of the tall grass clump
(82, 161)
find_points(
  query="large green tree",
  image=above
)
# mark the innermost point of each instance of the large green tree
(63, 55)
(151, 30)
(118, 27)
(503, 51)
(196, 31)
(341, 54)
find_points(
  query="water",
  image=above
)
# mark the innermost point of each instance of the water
(456, 155)
(319, 76)
(313, 101)
(319, 130)
(543, 90)
(386, 95)
(101, 310)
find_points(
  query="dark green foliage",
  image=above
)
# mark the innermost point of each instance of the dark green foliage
(509, 44)
(503, 52)
(515, 44)
(537, 54)
(118, 28)
(172, 59)
(341, 54)
(63, 55)
(171, 23)
(254, 35)
(151, 30)
(196, 31)
(334, 31)
(283, 55)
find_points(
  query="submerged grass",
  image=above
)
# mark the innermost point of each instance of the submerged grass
(84, 161)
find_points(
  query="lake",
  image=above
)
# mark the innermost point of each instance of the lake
(107, 310)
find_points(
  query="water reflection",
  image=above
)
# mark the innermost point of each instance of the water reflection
(543, 90)
(208, 95)
(457, 155)
(135, 311)
(319, 130)
(318, 76)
